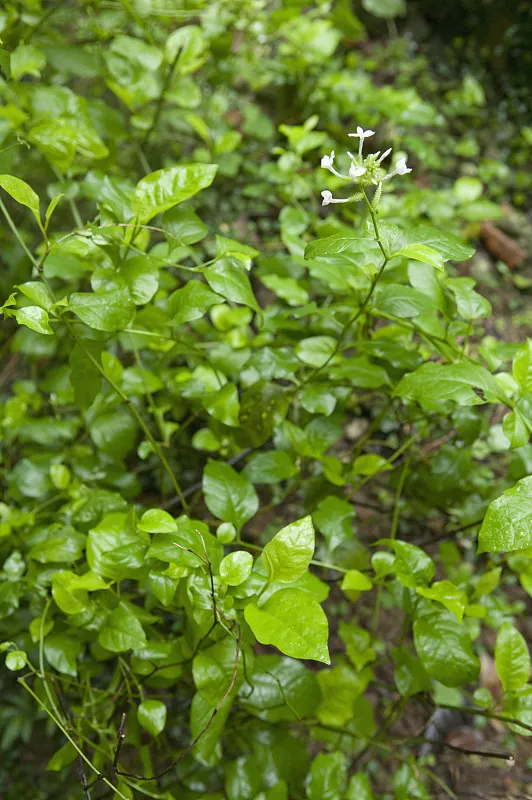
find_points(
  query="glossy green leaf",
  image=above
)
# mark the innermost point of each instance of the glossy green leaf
(108, 311)
(445, 650)
(22, 193)
(236, 567)
(151, 715)
(165, 188)
(16, 660)
(420, 252)
(327, 777)
(447, 594)
(293, 622)
(62, 651)
(512, 658)
(157, 521)
(288, 555)
(359, 788)
(271, 467)
(331, 245)
(191, 302)
(228, 278)
(122, 631)
(228, 494)
(507, 525)
(35, 318)
(317, 350)
(464, 384)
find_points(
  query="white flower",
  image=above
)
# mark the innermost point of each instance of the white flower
(401, 168)
(328, 198)
(356, 172)
(361, 133)
(327, 162)
(386, 153)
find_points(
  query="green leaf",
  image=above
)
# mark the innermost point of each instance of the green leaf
(359, 788)
(444, 647)
(331, 245)
(38, 293)
(318, 399)
(334, 519)
(340, 688)
(157, 521)
(183, 226)
(186, 47)
(228, 278)
(16, 660)
(317, 350)
(272, 466)
(108, 311)
(507, 525)
(62, 758)
(23, 194)
(469, 304)
(208, 750)
(409, 673)
(327, 777)
(114, 433)
(191, 302)
(85, 377)
(448, 595)
(515, 428)
(61, 652)
(122, 631)
(512, 658)
(27, 59)
(386, 9)
(224, 405)
(292, 621)
(289, 553)
(262, 407)
(403, 301)
(354, 582)
(228, 494)
(236, 567)
(432, 384)
(522, 367)
(467, 190)
(420, 252)
(447, 244)
(189, 534)
(35, 318)
(413, 566)
(151, 715)
(165, 188)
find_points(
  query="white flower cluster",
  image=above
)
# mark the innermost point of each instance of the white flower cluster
(364, 171)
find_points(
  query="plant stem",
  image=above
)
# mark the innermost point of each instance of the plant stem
(69, 737)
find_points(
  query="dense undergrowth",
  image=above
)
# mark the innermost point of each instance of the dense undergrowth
(264, 464)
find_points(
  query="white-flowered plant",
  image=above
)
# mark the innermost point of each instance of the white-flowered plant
(364, 170)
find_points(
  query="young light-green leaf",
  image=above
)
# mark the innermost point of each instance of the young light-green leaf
(289, 553)
(23, 194)
(293, 622)
(512, 658)
(236, 567)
